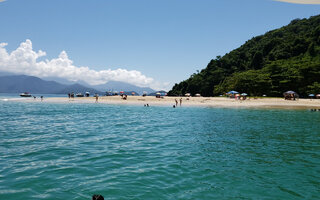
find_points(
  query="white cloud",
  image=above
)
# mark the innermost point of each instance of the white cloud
(23, 60)
(301, 1)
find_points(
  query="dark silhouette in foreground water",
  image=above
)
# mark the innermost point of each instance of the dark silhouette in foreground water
(97, 197)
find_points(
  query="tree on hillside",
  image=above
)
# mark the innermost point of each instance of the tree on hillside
(287, 58)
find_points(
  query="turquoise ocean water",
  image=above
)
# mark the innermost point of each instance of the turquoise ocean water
(71, 151)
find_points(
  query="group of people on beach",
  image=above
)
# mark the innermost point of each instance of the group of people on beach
(41, 97)
(71, 95)
(124, 96)
(176, 105)
(290, 97)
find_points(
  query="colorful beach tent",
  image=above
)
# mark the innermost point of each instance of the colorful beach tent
(289, 93)
(233, 92)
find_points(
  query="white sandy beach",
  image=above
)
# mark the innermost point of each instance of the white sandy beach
(191, 101)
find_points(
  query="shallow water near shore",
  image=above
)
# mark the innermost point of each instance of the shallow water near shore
(71, 151)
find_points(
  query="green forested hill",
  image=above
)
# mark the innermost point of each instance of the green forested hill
(283, 59)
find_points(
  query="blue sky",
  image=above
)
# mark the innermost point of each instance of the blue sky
(162, 41)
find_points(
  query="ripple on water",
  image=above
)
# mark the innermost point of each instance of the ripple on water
(70, 151)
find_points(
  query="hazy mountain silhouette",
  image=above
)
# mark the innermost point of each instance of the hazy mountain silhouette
(77, 88)
(121, 86)
(23, 83)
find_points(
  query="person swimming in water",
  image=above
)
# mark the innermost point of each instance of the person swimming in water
(97, 197)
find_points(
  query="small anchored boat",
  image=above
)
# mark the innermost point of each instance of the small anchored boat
(25, 94)
(79, 95)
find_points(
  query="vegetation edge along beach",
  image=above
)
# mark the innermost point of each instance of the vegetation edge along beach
(284, 59)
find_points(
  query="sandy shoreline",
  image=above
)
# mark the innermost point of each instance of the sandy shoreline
(222, 102)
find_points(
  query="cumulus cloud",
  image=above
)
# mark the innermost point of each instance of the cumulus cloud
(24, 60)
(301, 1)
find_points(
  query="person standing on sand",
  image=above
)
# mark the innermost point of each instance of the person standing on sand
(176, 102)
(97, 96)
(180, 101)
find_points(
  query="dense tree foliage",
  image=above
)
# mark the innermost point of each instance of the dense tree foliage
(283, 59)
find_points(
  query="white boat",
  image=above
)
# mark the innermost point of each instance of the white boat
(25, 94)
(79, 95)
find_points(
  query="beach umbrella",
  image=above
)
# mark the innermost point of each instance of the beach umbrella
(311, 95)
(290, 92)
(233, 92)
(244, 94)
(121, 92)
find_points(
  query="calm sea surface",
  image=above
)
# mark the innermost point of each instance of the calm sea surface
(72, 151)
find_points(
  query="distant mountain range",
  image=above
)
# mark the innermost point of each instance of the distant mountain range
(121, 86)
(111, 86)
(21, 83)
